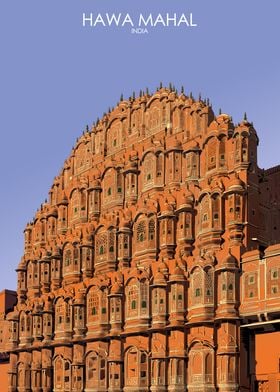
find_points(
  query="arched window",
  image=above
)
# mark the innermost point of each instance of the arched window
(237, 154)
(115, 309)
(227, 293)
(135, 121)
(132, 300)
(244, 147)
(154, 119)
(67, 260)
(93, 305)
(62, 316)
(23, 376)
(119, 183)
(105, 249)
(144, 289)
(159, 165)
(111, 244)
(201, 364)
(222, 152)
(136, 368)
(205, 213)
(101, 245)
(76, 259)
(75, 204)
(149, 166)
(176, 301)
(114, 137)
(97, 307)
(144, 236)
(151, 233)
(62, 374)
(141, 231)
(209, 286)
(25, 323)
(212, 154)
(83, 203)
(137, 299)
(96, 370)
(202, 284)
(159, 301)
(192, 164)
(109, 183)
(216, 211)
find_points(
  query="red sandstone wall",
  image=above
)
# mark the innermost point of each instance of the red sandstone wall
(4, 377)
(267, 348)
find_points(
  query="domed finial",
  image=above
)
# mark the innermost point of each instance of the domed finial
(182, 90)
(245, 116)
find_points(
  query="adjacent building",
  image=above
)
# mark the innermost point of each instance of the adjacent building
(154, 265)
(8, 299)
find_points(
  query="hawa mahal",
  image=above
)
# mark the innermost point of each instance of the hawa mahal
(154, 265)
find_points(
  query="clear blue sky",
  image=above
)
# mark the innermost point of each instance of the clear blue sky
(57, 76)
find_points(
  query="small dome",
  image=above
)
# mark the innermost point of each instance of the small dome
(29, 226)
(124, 223)
(45, 256)
(193, 146)
(176, 144)
(230, 260)
(64, 200)
(163, 267)
(177, 274)
(13, 316)
(167, 209)
(235, 185)
(37, 307)
(116, 288)
(186, 200)
(96, 183)
(22, 265)
(87, 240)
(131, 165)
(52, 212)
(79, 299)
(48, 307)
(159, 278)
(56, 252)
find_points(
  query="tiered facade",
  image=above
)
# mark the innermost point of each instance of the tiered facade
(130, 279)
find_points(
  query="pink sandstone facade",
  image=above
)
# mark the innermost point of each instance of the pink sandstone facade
(8, 299)
(153, 266)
